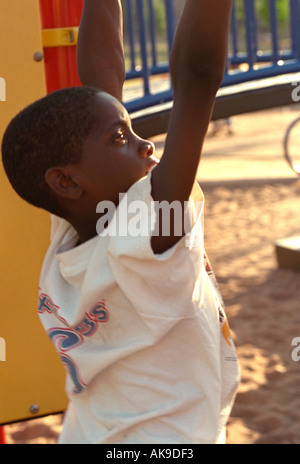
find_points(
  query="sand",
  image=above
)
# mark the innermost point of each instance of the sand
(252, 199)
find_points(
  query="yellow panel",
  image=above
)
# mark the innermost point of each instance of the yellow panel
(60, 37)
(32, 373)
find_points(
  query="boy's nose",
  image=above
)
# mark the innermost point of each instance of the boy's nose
(146, 149)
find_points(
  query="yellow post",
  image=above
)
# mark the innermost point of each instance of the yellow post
(31, 376)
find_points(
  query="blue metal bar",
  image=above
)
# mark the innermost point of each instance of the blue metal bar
(152, 32)
(251, 41)
(263, 57)
(170, 15)
(261, 64)
(130, 24)
(234, 30)
(149, 100)
(274, 30)
(143, 45)
(153, 71)
(263, 73)
(295, 26)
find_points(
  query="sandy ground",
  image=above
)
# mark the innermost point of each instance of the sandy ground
(252, 199)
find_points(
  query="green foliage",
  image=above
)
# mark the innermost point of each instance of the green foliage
(159, 12)
(262, 8)
(282, 7)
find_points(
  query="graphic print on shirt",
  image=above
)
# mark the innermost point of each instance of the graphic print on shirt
(67, 338)
(226, 332)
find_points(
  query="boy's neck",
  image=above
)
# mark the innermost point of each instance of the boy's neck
(85, 231)
(84, 224)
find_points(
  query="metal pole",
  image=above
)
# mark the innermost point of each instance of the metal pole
(2, 436)
(170, 14)
(251, 39)
(130, 24)
(143, 44)
(274, 30)
(294, 21)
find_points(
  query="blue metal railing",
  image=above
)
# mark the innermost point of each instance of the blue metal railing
(150, 25)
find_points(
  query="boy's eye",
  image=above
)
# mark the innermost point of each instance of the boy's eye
(121, 138)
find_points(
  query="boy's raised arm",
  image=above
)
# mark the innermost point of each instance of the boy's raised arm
(100, 55)
(198, 62)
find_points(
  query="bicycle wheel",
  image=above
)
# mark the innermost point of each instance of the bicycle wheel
(292, 146)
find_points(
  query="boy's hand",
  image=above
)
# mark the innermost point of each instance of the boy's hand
(100, 56)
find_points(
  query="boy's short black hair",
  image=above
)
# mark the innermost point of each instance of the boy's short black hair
(48, 133)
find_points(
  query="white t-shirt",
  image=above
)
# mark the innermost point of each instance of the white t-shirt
(144, 338)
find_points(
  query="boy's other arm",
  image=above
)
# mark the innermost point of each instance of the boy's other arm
(197, 65)
(100, 55)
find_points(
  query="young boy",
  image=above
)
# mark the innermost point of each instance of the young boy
(136, 318)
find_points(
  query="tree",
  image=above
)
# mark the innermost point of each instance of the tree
(262, 8)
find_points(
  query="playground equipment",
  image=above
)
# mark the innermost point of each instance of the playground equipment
(31, 372)
(291, 146)
(262, 64)
(259, 76)
(60, 21)
(246, 61)
(288, 249)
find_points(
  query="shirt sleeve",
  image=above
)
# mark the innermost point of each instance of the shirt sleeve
(165, 287)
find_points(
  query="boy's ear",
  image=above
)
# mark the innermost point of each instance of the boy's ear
(61, 182)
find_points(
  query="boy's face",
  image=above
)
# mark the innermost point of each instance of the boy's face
(114, 157)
